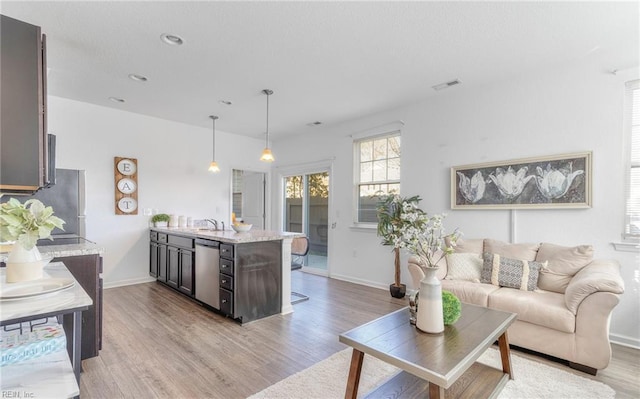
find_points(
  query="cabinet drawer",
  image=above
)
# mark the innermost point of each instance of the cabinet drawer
(226, 266)
(162, 237)
(226, 282)
(178, 241)
(226, 251)
(226, 302)
(154, 236)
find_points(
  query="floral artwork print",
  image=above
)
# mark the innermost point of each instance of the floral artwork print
(548, 182)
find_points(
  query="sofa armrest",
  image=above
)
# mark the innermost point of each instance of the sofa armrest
(597, 276)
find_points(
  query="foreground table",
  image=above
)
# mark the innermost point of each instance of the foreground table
(433, 363)
(68, 303)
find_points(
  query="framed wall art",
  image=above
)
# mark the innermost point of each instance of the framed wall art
(559, 181)
(126, 185)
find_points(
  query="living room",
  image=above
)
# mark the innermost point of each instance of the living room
(528, 102)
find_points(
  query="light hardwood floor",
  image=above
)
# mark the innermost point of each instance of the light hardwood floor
(159, 344)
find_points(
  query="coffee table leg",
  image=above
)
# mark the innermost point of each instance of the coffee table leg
(505, 354)
(435, 391)
(354, 374)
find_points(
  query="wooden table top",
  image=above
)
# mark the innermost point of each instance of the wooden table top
(438, 358)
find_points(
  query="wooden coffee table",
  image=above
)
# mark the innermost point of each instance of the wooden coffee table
(432, 364)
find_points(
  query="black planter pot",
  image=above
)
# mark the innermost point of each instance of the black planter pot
(398, 292)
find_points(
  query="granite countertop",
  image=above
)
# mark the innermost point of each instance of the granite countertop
(229, 236)
(60, 251)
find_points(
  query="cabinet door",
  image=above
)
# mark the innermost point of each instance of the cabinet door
(173, 269)
(22, 126)
(153, 259)
(162, 263)
(186, 272)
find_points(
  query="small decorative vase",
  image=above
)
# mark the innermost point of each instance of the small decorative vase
(24, 264)
(429, 318)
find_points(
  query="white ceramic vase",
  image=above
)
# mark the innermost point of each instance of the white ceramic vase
(429, 317)
(24, 264)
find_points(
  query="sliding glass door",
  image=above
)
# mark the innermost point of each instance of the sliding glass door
(306, 210)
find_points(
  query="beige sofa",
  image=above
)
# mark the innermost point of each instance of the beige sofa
(567, 313)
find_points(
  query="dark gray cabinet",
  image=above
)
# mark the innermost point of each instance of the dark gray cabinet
(172, 261)
(23, 139)
(86, 269)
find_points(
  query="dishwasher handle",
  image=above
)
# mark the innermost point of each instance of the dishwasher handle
(207, 243)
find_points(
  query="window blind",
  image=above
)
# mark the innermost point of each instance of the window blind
(632, 228)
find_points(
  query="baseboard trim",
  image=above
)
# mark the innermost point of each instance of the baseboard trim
(122, 283)
(624, 340)
(367, 283)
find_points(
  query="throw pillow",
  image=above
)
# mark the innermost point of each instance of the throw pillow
(563, 264)
(464, 266)
(513, 251)
(512, 273)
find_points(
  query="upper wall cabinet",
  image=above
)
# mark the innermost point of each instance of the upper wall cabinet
(23, 139)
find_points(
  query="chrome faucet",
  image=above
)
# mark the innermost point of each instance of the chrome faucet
(222, 225)
(213, 222)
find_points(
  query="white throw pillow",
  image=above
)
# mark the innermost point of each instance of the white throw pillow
(464, 266)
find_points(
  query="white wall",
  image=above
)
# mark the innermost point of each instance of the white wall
(172, 174)
(553, 113)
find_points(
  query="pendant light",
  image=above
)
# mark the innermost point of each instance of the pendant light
(213, 166)
(267, 155)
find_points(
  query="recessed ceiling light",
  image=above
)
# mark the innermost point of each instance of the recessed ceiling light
(446, 85)
(137, 78)
(173, 40)
(316, 123)
(225, 102)
(116, 99)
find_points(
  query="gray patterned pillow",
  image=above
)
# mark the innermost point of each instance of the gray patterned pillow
(512, 273)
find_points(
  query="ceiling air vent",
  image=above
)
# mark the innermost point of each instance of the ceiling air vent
(446, 85)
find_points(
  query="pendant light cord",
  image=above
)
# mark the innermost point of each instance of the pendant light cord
(267, 142)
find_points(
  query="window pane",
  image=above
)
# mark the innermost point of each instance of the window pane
(369, 197)
(380, 170)
(366, 172)
(393, 172)
(380, 149)
(394, 147)
(366, 151)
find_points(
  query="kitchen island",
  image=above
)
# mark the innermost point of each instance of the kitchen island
(246, 276)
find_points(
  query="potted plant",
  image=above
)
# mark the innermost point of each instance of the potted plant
(160, 220)
(25, 224)
(397, 218)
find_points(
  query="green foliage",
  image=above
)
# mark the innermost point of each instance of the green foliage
(160, 217)
(27, 222)
(397, 216)
(450, 307)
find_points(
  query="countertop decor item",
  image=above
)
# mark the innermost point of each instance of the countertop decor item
(160, 219)
(267, 155)
(213, 166)
(241, 227)
(25, 224)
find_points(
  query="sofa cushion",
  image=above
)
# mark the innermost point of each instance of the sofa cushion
(513, 251)
(467, 246)
(563, 264)
(464, 266)
(543, 308)
(470, 292)
(512, 273)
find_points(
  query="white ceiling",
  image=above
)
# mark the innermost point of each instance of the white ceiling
(325, 61)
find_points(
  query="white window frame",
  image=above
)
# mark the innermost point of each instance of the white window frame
(392, 130)
(631, 116)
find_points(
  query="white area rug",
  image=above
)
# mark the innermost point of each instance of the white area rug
(328, 379)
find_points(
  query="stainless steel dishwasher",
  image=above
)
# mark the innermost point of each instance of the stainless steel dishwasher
(207, 284)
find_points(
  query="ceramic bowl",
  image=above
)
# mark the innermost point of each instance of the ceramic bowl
(241, 227)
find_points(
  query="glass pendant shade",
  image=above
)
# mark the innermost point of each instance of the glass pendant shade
(213, 166)
(267, 155)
